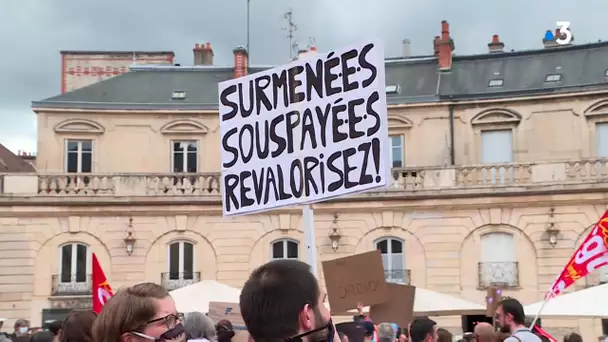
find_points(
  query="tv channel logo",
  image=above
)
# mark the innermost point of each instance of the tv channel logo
(565, 33)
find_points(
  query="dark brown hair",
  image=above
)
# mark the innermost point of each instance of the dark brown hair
(128, 310)
(573, 337)
(444, 335)
(77, 327)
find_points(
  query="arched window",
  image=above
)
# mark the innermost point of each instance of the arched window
(498, 262)
(181, 260)
(393, 259)
(284, 249)
(74, 270)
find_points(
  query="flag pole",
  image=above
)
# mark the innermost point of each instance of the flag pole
(248, 52)
(548, 297)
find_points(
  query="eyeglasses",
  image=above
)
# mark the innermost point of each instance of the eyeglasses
(169, 321)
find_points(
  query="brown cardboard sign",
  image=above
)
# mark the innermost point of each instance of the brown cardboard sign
(398, 309)
(357, 278)
(229, 311)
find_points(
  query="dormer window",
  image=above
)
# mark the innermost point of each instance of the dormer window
(392, 89)
(179, 95)
(606, 73)
(496, 83)
(553, 78)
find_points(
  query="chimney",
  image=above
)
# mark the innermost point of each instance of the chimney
(496, 45)
(240, 61)
(444, 46)
(203, 54)
(406, 48)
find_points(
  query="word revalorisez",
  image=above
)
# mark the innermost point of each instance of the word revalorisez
(305, 131)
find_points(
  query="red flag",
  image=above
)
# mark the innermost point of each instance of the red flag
(591, 255)
(542, 332)
(101, 289)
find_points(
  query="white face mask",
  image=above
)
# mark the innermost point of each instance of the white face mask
(23, 330)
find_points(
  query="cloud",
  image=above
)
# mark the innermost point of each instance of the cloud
(39, 29)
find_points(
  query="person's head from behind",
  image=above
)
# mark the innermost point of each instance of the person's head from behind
(386, 332)
(423, 330)
(282, 300)
(199, 326)
(510, 315)
(484, 332)
(54, 327)
(225, 331)
(77, 327)
(368, 331)
(42, 336)
(444, 336)
(573, 337)
(141, 313)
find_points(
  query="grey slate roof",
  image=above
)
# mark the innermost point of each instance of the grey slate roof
(583, 67)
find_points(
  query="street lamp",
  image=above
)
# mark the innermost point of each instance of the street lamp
(552, 230)
(130, 239)
(335, 235)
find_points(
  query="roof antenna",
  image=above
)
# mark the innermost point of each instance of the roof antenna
(291, 29)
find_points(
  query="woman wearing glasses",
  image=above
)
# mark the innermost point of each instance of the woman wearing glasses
(141, 313)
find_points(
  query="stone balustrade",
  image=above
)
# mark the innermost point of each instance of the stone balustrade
(428, 180)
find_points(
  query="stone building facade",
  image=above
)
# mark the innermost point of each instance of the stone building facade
(500, 169)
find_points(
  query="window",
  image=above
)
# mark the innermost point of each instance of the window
(553, 78)
(79, 156)
(179, 95)
(181, 260)
(73, 263)
(606, 73)
(397, 152)
(497, 148)
(185, 156)
(284, 249)
(392, 89)
(498, 263)
(495, 83)
(393, 259)
(601, 139)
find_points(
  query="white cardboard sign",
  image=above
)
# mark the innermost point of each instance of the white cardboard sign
(305, 132)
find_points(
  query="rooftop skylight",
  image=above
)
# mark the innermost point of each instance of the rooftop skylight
(553, 78)
(392, 89)
(179, 95)
(498, 82)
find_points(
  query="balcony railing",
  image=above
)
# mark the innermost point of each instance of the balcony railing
(72, 285)
(398, 276)
(172, 281)
(499, 274)
(472, 179)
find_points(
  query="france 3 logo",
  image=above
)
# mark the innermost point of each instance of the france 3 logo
(565, 36)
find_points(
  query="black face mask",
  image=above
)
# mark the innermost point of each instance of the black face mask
(168, 335)
(329, 338)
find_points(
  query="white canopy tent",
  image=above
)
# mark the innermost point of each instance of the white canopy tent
(584, 303)
(196, 297)
(432, 303)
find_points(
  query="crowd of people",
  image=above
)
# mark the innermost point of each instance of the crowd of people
(280, 302)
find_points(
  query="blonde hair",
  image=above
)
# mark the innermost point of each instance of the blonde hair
(128, 310)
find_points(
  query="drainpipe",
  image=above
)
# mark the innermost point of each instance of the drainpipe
(452, 149)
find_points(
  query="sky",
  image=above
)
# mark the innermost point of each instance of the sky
(32, 32)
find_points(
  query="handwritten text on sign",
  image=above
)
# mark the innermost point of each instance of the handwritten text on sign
(591, 255)
(304, 132)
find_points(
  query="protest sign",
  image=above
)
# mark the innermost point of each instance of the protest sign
(230, 311)
(354, 279)
(304, 132)
(400, 307)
